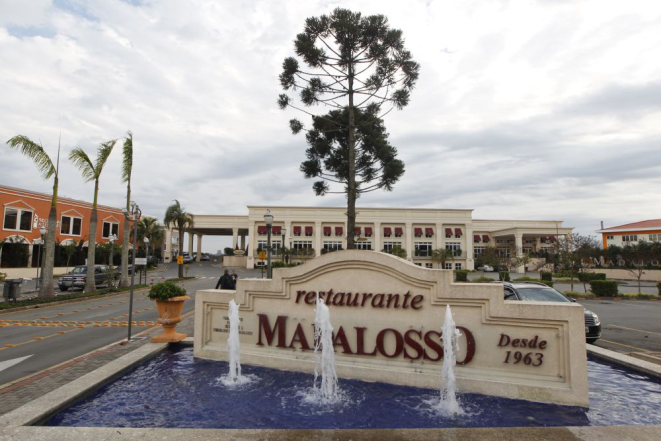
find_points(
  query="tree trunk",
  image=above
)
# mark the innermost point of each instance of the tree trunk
(351, 190)
(124, 277)
(46, 289)
(90, 283)
(181, 252)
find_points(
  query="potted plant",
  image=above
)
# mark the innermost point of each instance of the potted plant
(170, 300)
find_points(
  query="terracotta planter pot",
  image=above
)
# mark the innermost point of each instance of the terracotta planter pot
(169, 314)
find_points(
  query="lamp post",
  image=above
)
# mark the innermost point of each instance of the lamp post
(135, 217)
(268, 218)
(283, 231)
(111, 277)
(40, 258)
(146, 242)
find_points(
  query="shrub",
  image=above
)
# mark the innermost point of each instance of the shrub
(579, 295)
(588, 277)
(281, 264)
(604, 288)
(462, 275)
(165, 291)
(504, 276)
(547, 282)
(3, 276)
(543, 275)
(482, 280)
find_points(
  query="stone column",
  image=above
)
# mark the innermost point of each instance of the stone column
(317, 238)
(167, 247)
(250, 263)
(409, 241)
(243, 242)
(199, 248)
(288, 234)
(518, 244)
(30, 251)
(235, 237)
(191, 237)
(470, 262)
(377, 236)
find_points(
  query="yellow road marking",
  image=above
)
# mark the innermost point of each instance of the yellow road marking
(13, 345)
(634, 329)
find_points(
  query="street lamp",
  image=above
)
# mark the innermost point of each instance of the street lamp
(134, 217)
(283, 231)
(111, 268)
(268, 218)
(146, 242)
(40, 258)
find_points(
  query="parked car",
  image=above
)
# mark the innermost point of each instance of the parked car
(77, 277)
(485, 268)
(539, 292)
(187, 258)
(205, 258)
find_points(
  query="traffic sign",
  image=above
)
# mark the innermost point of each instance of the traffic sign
(141, 261)
(180, 260)
(262, 255)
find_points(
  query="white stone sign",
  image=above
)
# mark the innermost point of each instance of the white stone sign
(387, 316)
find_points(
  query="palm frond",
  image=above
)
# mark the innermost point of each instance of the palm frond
(102, 154)
(36, 153)
(83, 162)
(127, 162)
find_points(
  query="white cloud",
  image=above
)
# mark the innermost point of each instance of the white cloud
(523, 109)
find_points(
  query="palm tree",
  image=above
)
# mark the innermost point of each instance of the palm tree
(177, 217)
(441, 255)
(92, 172)
(127, 169)
(48, 169)
(150, 228)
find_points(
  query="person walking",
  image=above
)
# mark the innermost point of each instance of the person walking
(225, 281)
(235, 277)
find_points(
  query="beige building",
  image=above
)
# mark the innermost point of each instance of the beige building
(313, 231)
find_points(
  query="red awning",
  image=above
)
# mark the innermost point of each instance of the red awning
(552, 238)
(277, 230)
(356, 231)
(297, 230)
(429, 231)
(339, 231)
(308, 230)
(476, 238)
(448, 231)
(327, 231)
(387, 231)
(398, 231)
(418, 231)
(261, 229)
(457, 232)
(485, 238)
(368, 231)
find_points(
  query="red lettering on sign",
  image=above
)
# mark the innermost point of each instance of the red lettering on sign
(378, 304)
(470, 345)
(434, 346)
(406, 300)
(360, 339)
(341, 339)
(280, 326)
(416, 302)
(299, 336)
(381, 346)
(413, 344)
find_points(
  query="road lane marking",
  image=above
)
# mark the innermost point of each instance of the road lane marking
(626, 346)
(9, 363)
(633, 329)
(13, 345)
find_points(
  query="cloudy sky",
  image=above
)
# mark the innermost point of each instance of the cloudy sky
(547, 109)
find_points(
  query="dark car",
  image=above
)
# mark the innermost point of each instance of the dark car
(539, 292)
(77, 277)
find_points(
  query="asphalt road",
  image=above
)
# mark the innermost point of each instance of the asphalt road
(51, 335)
(628, 325)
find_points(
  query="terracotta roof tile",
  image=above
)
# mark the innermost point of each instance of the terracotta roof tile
(652, 223)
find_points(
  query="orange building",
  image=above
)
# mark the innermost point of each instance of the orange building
(26, 212)
(630, 234)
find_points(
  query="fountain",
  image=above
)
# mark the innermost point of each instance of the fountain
(448, 403)
(234, 377)
(327, 390)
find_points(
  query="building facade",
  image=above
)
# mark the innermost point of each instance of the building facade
(629, 234)
(26, 212)
(313, 231)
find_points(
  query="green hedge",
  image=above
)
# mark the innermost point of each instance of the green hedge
(462, 275)
(525, 279)
(547, 282)
(504, 276)
(604, 288)
(544, 275)
(482, 280)
(588, 277)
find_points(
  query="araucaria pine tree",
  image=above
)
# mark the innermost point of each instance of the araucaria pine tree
(358, 67)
